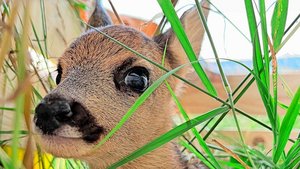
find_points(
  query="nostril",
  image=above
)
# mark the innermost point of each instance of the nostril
(42, 111)
(62, 111)
(51, 114)
(63, 116)
(44, 119)
(70, 114)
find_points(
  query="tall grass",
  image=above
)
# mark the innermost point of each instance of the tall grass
(21, 88)
(26, 94)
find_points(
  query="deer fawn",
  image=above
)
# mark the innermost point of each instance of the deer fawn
(97, 82)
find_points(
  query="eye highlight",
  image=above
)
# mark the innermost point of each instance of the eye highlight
(59, 73)
(137, 79)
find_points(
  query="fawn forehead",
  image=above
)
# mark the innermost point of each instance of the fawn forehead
(93, 49)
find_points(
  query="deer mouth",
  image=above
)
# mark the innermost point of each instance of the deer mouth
(78, 123)
(65, 147)
(68, 132)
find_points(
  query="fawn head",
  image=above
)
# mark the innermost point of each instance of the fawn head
(98, 80)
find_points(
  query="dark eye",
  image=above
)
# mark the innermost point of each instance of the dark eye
(59, 72)
(137, 78)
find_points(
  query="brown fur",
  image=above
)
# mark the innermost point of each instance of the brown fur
(88, 70)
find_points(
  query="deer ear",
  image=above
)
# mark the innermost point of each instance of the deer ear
(194, 30)
(99, 17)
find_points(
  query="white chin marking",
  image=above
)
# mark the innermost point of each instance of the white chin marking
(68, 132)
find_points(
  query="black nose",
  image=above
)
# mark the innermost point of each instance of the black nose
(51, 114)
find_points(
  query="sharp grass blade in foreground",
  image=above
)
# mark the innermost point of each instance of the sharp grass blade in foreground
(199, 138)
(278, 25)
(170, 135)
(195, 132)
(287, 125)
(225, 82)
(264, 30)
(258, 67)
(259, 82)
(170, 13)
(255, 40)
(250, 83)
(136, 105)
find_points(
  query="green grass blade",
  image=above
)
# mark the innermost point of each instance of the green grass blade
(294, 162)
(231, 164)
(282, 105)
(194, 130)
(262, 12)
(37, 94)
(137, 103)
(45, 57)
(8, 108)
(5, 160)
(225, 82)
(255, 40)
(262, 88)
(44, 25)
(171, 15)
(287, 125)
(259, 68)
(278, 22)
(292, 154)
(170, 135)
(266, 98)
(294, 148)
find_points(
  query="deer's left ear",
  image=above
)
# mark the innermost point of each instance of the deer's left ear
(99, 17)
(194, 30)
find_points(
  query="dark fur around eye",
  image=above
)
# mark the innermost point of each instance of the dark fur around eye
(59, 73)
